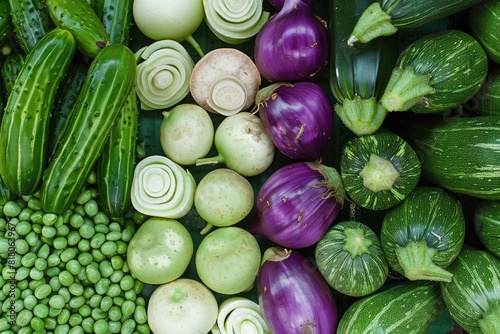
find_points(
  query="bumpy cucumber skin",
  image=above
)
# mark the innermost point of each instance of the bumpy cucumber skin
(109, 80)
(31, 22)
(6, 26)
(25, 124)
(115, 167)
(82, 21)
(116, 16)
(10, 70)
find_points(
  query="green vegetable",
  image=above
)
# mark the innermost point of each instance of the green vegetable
(115, 166)
(358, 75)
(108, 83)
(10, 70)
(5, 194)
(473, 296)
(437, 72)
(25, 125)
(82, 21)
(401, 308)
(351, 259)
(487, 225)
(484, 24)
(116, 16)
(458, 154)
(31, 21)
(378, 170)
(6, 25)
(486, 102)
(424, 234)
(385, 17)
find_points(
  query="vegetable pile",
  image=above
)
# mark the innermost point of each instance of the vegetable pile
(249, 166)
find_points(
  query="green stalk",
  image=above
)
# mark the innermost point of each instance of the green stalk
(416, 259)
(361, 116)
(373, 23)
(356, 243)
(490, 323)
(210, 161)
(378, 174)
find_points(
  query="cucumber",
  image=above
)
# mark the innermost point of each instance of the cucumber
(5, 194)
(473, 296)
(458, 154)
(65, 100)
(385, 17)
(116, 16)
(351, 259)
(109, 80)
(484, 24)
(31, 21)
(487, 225)
(437, 72)
(10, 70)
(115, 167)
(6, 26)
(24, 131)
(82, 21)
(424, 234)
(401, 308)
(378, 170)
(358, 74)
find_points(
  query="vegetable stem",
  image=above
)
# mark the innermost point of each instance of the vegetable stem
(373, 22)
(333, 182)
(275, 254)
(210, 161)
(190, 39)
(361, 116)
(355, 242)
(416, 259)
(490, 323)
(378, 174)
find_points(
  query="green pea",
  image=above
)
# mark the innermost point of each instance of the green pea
(130, 295)
(114, 327)
(121, 247)
(84, 197)
(53, 260)
(41, 311)
(84, 245)
(116, 262)
(88, 325)
(140, 301)
(140, 314)
(86, 230)
(97, 240)
(76, 289)
(22, 246)
(97, 314)
(24, 317)
(68, 254)
(101, 228)
(32, 238)
(85, 310)
(42, 291)
(23, 227)
(57, 301)
(115, 227)
(89, 292)
(34, 204)
(73, 266)
(98, 255)
(49, 219)
(21, 273)
(44, 252)
(139, 218)
(12, 209)
(115, 313)
(106, 268)
(37, 218)
(102, 285)
(53, 272)
(62, 329)
(128, 308)
(48, 231)
(28, 259)
(62, 230)
(80, 210)
(85, 258)
(41, 263)
(76, 302)
(50, 323)
(64, 292)
(54, 283)
(54, 312)
(76, 330)
(128, 326)
(91, 207)
(33, 284)
(37, 324)
(76, 220)
(93, 273)
(66, 278)
(75, 319)
(116, 276)
(109, 248)
(101, 218)
(101, 326)
(66, 216)
(114, 290)
(73, 238)
(95, 301)
(30, 302)
(63, 317)
(60, 243)
(36, 274)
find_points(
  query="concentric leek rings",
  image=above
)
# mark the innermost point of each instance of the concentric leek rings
(239, 315)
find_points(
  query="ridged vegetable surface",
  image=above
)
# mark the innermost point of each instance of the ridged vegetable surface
(10, 70)
(473, 297)
(401, 308)
(116, 16)
(24, 130)
(6, 26)
(109, 81)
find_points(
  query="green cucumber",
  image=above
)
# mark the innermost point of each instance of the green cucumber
(487, 225)
(458, 154)
(484, 24)
(378, 170)
(10, 70)
(5, 194)
(116, 16)
(437, 72)
(401, 308)
(31, 21)
(115, 167)
(385, 17)
(109, 80)
(65, 100)
(24, 130)
(6, 26)
(422, 235)
(358, 74)
(473, 296)
(351, 259)
(82, 21)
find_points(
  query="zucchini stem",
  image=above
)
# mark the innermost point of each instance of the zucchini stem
(373, 22)
(378, 174)
(355, 242)
(490, 323)
(361, 116)
(416, 259)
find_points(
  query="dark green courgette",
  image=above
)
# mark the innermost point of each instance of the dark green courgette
(487, 100)
(385, 17)
(437, 72)
(10, 70)
(473, 296)
(358, 74)
(487, 225)
(422, 235)
(109, 80)
(484, 24)
(24, 130)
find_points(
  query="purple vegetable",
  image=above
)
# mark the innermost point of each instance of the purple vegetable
(298, 118)
(278, 4)
(293, 296)
(298, 203)
(292, 45)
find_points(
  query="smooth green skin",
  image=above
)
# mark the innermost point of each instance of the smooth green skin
(228, 259)
(487, 225)
(159, 251)
(484, 23)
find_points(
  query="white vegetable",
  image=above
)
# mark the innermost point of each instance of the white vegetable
(239, 315)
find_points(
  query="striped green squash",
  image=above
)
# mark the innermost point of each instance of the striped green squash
(473, 296)
(484, 24)
(378, 170)
(424, 234)
(487, 225)
(458, 154)
(435, 73)
(351, 259)
(487, 100)
(402, 308)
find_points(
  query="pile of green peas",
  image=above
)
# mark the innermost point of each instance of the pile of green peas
(67, 273)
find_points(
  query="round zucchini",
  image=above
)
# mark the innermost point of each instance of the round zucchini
(473, 296)
(351, 259)
(437, 72)
(424, 234)
(487, 225)
(484, 24)
(486, 102)
(379, 170)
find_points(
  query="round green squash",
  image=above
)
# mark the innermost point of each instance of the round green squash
(487, 225)
(484, 24)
